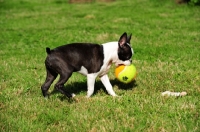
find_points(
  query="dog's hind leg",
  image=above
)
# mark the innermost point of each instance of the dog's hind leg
(64, 76)
(51, 76)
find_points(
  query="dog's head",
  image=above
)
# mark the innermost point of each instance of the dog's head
(125, 51)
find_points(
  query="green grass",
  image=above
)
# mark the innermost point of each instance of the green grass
(166, 41)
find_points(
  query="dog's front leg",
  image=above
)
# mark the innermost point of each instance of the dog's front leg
(106, 82)
(90, 84)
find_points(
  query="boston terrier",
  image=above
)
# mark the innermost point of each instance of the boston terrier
(91, 60)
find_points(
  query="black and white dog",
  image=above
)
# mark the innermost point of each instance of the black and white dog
(91, 60)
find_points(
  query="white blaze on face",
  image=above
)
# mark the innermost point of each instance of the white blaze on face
(131, 48)
(132, 51)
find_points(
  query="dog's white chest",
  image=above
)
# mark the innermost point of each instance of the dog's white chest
(110, 56)
(105, 68)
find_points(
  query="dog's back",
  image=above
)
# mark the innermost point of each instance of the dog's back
(77, 55)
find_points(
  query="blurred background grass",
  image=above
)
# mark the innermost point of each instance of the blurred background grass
(166, 44)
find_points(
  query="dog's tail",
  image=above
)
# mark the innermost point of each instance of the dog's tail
(48, 50)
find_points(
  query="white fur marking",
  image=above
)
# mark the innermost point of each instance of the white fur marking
(106, 82)
(83, 71)
(90, 83)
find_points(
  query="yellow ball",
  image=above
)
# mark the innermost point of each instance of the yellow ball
(125, 74)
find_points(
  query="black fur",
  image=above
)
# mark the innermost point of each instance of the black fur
(66, 59)
(48, 50)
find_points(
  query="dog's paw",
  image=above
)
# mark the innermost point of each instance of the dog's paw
(115, 95)
(73, 95)
(46, 97)
(87, 96)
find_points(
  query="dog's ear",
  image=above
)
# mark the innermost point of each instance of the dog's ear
(122, 40)
(129, 38)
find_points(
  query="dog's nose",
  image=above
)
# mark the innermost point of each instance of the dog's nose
(131, 61)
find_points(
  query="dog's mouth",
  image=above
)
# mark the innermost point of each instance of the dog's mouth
(127, 63)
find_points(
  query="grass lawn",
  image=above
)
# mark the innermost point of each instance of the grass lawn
(166, 41)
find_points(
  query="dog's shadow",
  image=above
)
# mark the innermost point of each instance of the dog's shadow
(78, 87)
